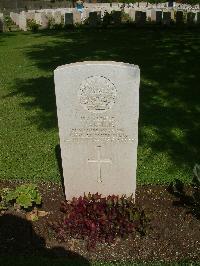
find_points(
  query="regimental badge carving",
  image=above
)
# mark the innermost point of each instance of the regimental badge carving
(97, 94)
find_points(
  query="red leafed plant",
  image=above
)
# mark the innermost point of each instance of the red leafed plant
(100, 219)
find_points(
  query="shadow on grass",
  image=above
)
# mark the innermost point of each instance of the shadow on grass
(169, 91)
(20, 245)
(190, 201)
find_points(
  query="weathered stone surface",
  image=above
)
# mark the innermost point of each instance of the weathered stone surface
(166, 18)
(98, 108)
(94, 18)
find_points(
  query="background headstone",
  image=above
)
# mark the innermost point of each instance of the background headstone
(49, 15)
(156, 16)
(117, 17)
(98, 109)
(132, 14)
(1, 22)
(30, 15)
(179, 17)
(57, 17)
(23, 21)
(77, 17)
(42, 20)
(198, 18)
(190, 18)
(140, 17)
(68, 18)
(94, 18)
(14, 17)
(166, 18)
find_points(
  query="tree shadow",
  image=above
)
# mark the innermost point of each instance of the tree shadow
(20, 245)
(169, 93)
(190, 200)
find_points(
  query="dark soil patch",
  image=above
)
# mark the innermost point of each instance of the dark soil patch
(174, 233)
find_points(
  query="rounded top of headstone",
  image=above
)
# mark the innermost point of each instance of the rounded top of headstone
(84, 63)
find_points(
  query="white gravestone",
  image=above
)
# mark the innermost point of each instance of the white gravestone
(23, 21)
(57, 17)
(1, 22)
(98, 109)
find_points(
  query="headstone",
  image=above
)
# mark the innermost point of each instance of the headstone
(166, 18)
(173, 15)
(140, 17)
(1, 22)
(190, 18)
(156, 16)
(198, 17)
(14, 17)
(57, 17)
(42, 20)
(132, 14)
(94, 18)
(49, 15)
(23, 21)
(117, 17)
(68, 19)
(30, 15)
(179, 17)
(77, 17)
(148, 14)
(98, 108)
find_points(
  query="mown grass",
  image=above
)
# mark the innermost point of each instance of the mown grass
(169, 126)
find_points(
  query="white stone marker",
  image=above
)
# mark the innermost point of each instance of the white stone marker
(98, 109)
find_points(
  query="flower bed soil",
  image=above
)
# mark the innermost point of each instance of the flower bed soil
(174, 234)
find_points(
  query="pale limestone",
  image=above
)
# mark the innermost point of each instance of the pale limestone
(98, 109)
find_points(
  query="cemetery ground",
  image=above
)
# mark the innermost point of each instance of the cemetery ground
(168, 148)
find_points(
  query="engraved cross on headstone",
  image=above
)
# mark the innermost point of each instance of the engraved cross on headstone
(99, 162)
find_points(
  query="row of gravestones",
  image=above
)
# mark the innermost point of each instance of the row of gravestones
(142, 5)
(94, 17)
(41, 18)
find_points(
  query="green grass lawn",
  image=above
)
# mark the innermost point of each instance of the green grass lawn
(169, 126)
